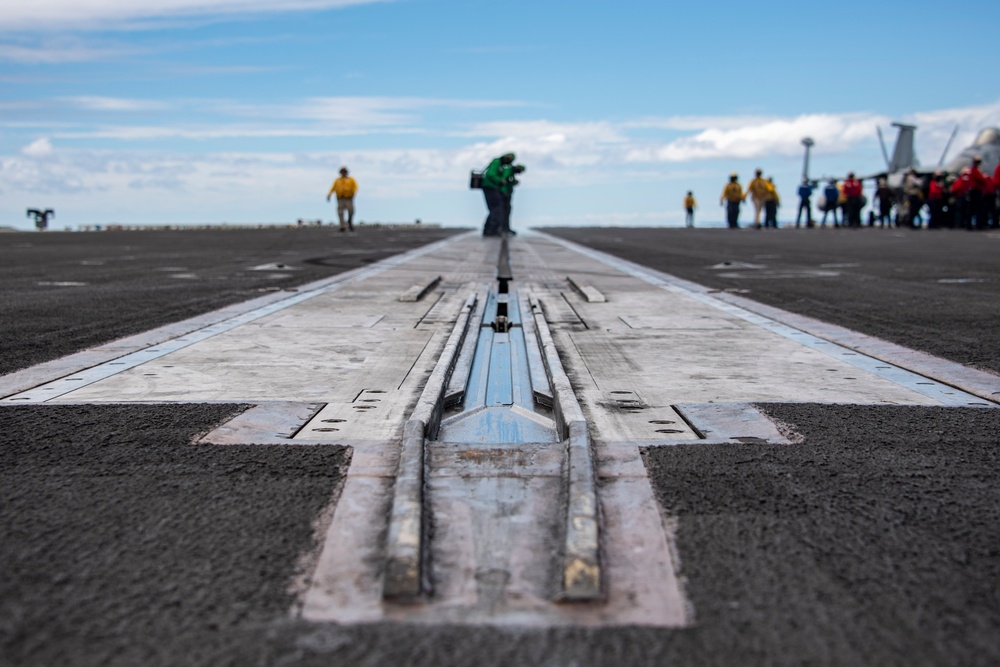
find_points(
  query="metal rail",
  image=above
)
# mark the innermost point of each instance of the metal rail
(581, 567)
(405, 548)
(519, 370)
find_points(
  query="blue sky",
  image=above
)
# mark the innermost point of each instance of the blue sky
(187, 111)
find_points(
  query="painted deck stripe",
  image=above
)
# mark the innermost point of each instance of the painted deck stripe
(921, 384)
(72, 382)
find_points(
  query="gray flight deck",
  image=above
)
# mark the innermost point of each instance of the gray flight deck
(541, 400)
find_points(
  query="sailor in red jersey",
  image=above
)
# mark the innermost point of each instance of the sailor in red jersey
(936, 200)
(974, 195)
(960, 191)
(853, 193)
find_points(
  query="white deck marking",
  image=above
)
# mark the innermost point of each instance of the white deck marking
(148, 390)
(657, 362)
(938, 392)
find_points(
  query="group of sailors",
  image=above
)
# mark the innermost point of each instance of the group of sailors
(761, 191)
(967, 200)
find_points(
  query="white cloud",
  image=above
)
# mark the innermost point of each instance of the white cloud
(361, 111)
(59, 51)
(574, 163)
(936, 127)
(47, 48)
(311, 117)
(550, 145)
(95, 103)
(103, 14)
(38, 148)
(751, 138)
(589, 145)
(194, 133)
(691, 123)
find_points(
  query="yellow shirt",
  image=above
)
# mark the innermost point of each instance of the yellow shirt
(772, 194)
(689, 202)
(344, 187)
(732, 192)
(757, 188)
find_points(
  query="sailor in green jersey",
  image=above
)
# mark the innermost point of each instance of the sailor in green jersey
(496, 175)
(507, 189)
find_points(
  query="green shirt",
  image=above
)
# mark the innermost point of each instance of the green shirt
(496, 175)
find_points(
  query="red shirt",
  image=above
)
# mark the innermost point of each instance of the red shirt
(960, 186)
(989, 186)
(935, 192)
(852, 187)
(976, 179)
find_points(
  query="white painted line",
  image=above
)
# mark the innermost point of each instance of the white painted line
(939, 391)
(87, 376)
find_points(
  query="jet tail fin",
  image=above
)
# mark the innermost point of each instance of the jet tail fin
(903, 155)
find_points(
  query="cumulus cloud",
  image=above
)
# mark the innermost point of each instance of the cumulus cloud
(594, 144)
(748, 137)
(549, 135)
(548, 144)
(745, 138)
(38, 148)
(589, 156)
(692, 123)
(103, 14)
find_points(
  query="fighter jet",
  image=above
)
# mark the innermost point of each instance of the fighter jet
(904, 158)
(986, 147)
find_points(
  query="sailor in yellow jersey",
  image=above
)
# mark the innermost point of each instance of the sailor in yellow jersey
(758, 191)
(345, 188)
(733, 196)
(771, 205)
(689, 206)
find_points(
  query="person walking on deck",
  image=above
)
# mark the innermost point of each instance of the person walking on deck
(805, 203)
(732, 196)
(345, 188)
(689, 206)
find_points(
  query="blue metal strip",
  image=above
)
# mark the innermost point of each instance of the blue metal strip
(499, 405)
(475, 392)
(519, 371)
(499, 389)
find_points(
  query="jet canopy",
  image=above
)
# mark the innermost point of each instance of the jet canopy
(990, 135)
